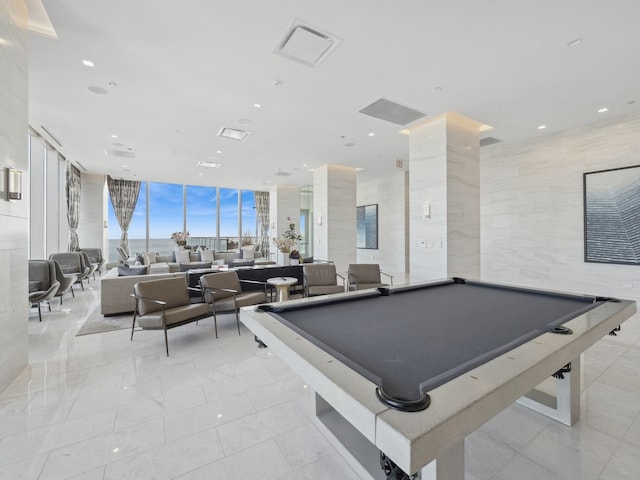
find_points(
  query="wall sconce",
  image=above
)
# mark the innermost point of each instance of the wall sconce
(426, 211)
(14, 184)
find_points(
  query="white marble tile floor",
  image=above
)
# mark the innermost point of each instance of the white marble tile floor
(100, 407)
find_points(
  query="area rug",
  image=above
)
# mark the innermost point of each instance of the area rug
(98, 323)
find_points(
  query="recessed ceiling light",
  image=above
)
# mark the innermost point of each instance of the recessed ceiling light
(125, 166)
(200, 174)
(575, 42)
(206, 164)
(305, 165)
(233, 133)
(87, 63)
(541, 127)
(257, 105)
(114, 136)
(218, 152)
(371, 134)
(603, 109)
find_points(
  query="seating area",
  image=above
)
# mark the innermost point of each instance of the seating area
(56, 276)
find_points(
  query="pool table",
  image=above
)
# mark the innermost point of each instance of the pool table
(409, 371)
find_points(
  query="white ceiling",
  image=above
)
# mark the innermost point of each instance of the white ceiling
(184, 69)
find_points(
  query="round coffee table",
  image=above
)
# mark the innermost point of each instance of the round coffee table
(282, 285)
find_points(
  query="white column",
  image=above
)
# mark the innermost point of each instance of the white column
(14, 215)
(284, 208)
(444, 199)
(334, 199)
(91, 231)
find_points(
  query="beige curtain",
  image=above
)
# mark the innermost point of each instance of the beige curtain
(124, 197)
(73, 206)
(262, 212)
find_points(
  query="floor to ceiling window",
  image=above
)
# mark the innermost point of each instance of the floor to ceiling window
(202, 216)
(229, 229)
(166, 215)
(137, 227)
(211, 215)
(249, 222)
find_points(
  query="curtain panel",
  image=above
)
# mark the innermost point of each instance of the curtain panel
(124, 197)
(73, 185)
(262, 212)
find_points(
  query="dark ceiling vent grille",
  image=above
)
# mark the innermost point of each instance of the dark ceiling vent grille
(392, 112)
(484, 142)
(122, 153)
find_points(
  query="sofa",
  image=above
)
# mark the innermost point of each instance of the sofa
(116, 290)
(170, 263)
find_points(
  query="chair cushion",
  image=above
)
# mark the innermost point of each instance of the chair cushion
(34, 286)
(362, 286)
(307, 260)
(173, 291)
(174, 315)
(183, 256)
(206, 255)
(365, 273)
(325, 289)
(151, 256)
(228, 280)
(185, 267)
(243, 300)
(243, 263)
(320, 274)
(124, 271)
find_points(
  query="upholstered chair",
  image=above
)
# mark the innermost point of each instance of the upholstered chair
(66, 281)
(366, 275)
(321, 279)
(165, 304)
(224, 293)
(87, 262)
(95, 256)
(42, 283)
(72, 263)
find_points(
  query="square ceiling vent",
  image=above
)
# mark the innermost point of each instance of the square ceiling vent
(306, 45)
(233, 133)
(391, 112)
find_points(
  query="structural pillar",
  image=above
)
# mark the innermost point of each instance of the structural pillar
(284, 209)
(334, 199)
(444, 198)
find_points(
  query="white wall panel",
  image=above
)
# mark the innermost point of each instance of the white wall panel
(532, 209)
(14, 215)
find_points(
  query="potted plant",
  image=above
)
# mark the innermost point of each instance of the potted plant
(284, 244)
(180, 239)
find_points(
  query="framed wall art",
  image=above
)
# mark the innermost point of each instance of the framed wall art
(612, 216)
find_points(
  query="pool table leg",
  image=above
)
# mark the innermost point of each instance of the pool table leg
(564, 407)
(448, 466)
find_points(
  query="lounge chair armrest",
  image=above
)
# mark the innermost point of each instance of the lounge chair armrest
(387, 275)
(216, 289)
(341, 277)
(159, 302)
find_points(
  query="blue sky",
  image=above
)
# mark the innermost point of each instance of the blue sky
(166, 210)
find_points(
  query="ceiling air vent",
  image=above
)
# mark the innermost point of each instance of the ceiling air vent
(206, 164)
(233, 133)
(484, 142)
(122, 153)
(283, 174)
(306, 45)
(391, 112)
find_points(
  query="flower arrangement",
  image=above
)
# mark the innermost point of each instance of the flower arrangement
(289, 239)
(295, 255)
(180, 238)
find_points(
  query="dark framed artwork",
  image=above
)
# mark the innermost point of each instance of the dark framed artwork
(612, 216)
(367, 226)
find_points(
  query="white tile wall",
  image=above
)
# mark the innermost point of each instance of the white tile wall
(14, 214)
(334, 198)
(389, 194)
(91, 231)
(532, 209)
